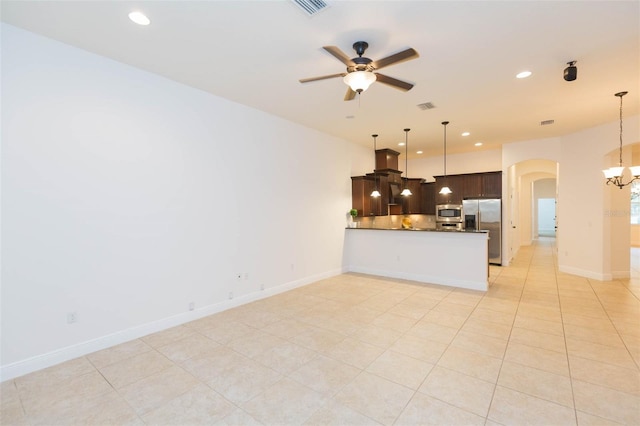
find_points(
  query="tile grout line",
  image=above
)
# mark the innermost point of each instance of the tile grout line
(606, 311)
(487, 419)
(564, 338)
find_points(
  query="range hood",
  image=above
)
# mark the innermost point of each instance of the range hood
(394, 193)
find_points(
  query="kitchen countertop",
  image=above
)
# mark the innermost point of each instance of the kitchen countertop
(462, 231)
(444, 257)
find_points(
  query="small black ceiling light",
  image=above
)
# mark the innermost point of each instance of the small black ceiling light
(375, 193)
(571, 72)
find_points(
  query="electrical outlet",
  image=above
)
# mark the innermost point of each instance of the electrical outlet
(192, 306)
(230, 295)
(72, 317)
(245, 276)
(261, 286)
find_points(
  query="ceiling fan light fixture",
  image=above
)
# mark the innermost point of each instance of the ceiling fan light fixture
(139, 18)
(445, 190)
(359, 81)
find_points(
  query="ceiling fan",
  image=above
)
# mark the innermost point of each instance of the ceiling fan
(360, 71)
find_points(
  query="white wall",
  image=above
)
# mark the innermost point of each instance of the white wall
(123, 200)
(617, 224)
(474, 162)
(588, 201)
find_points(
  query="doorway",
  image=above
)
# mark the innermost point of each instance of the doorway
(546, 217)
(529, 181)
(544, 207)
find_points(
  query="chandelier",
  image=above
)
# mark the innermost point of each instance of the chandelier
(614, 174)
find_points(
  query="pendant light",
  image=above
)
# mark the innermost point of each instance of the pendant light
(375, 193)
(445, 189)
(406, 191)
(614, 174)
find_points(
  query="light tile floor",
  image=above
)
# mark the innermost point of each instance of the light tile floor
(540, 347)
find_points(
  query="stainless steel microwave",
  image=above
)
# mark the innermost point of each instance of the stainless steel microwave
(449, 213)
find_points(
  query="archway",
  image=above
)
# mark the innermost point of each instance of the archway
(521, 226)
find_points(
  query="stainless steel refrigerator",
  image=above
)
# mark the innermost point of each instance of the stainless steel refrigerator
(486, 214)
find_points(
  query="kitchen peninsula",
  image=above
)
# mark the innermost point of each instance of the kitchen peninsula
(452, 258)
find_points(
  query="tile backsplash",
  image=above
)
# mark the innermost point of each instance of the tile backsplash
(395, 221)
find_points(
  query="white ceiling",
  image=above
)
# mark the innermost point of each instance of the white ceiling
(254, 53)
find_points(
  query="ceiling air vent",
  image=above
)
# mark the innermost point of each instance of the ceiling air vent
(547, 122)
(426, 105)
(311, 7)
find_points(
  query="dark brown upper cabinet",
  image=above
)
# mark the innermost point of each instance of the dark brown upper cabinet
(412, 204)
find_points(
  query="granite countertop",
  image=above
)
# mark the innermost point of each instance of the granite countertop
(464, 231)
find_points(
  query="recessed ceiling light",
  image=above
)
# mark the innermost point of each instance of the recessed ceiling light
(401, 144)
(349, 117)
(465, 133)
(139, 18)
(478, 144)
(418, 152)
(523, 74)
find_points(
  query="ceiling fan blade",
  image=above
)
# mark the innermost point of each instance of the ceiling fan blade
(339, 54)
(405, 55)
(350, 95)
(323, 77)
(393, 82)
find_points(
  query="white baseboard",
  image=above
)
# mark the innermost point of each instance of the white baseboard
(621, 275)
(584, 273)
(614, 275)
(38, 362)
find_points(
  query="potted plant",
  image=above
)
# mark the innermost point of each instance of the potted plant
(353, 213)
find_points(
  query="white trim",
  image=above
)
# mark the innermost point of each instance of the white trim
(29, 365)
(620, 275)
(585, 273)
